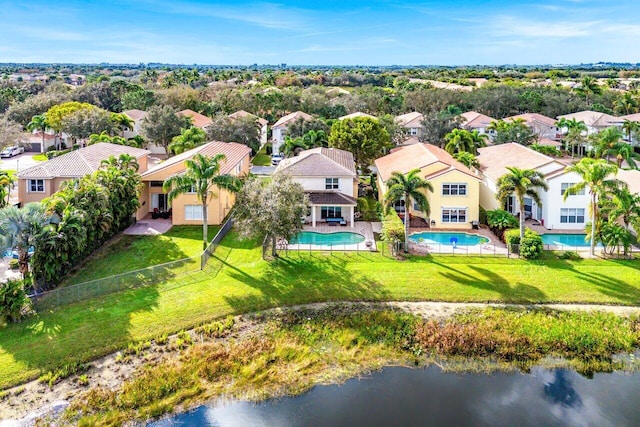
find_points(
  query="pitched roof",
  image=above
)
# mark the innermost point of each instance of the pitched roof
(410, 120)
(632, 178)
(419, 156)
(495, 159)
(242, 114)
(81, 162)
(533, 119)
(233, 152)
(357, 114)
(549, 142)
(631, 117)
(292, 117)
(473, 119)
(332, 198)
(37, 137)
(135, 115)
(320, 161)
(593, 118)
(197, 119)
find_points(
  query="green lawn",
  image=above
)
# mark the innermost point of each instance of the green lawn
(237, 281)
(40, 157)
(128, 253)
(262, 158)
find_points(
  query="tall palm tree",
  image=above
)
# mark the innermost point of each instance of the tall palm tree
(202, 176)
(123, 122)
(623, 205)
(625, 153)
(459, 140)
(479, 140)
(626, 104)
(588, 87)
(521, 182)
(629, 127)
(576, 131)
(597, 175)
(19, 228)
(39, 123)
(605, 141)
(315, 138)
(409, 187)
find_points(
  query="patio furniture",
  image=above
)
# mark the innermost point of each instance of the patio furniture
(335, 221)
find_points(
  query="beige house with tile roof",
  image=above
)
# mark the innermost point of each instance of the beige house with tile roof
(328, 176)
(454, 201)
(594, 120)
(412, 122)
(279, 128)
(198, 120)
(186, 209)
(555, 213)
(263, 123)
(472, 120)
(44, 179)
(542, 126)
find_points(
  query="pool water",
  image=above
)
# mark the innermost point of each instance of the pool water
(327, 239)
(444, 238)
(565, 240)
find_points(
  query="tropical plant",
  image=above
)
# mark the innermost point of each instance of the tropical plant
(123, 122)
(626, 104)
(293, 146)
(588, 88)
(408, 188)
(393, 231)
(515, 130)
(623, 205)
(188, 139)
(521, 183)
(467, 159)
(605, 141)
(531, 245)
(105, 137)
(202, 177)
(39, 123)
(575, 135)
(630, 127)
(19, 228)
(14, 301)
(548, 150)
(6, 182)
(459, 140)
(598, 176)
(613, 236)
(366, 138)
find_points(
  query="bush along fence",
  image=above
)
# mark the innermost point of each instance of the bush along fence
(129, 280)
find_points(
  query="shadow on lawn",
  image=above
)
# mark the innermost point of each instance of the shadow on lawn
(290, 281)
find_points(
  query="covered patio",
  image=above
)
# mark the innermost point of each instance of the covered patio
(331, 208)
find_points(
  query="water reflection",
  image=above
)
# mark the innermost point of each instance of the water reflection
(429, 397)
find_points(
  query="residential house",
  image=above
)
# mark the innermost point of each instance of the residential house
(137, 116)
(262, 123)
(44, 179)
(594, 120)
(555, 213)
(631, 177)
(412, 123)
(454, 202)
(34, 142)
(328, 176)
(279, 128)
(541, 126)
(198, 120)
(472, 120)
(186, 209)
(634, 135)
(357, 114)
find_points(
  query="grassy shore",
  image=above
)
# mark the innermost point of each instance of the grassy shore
(299, 349)
(237, 281)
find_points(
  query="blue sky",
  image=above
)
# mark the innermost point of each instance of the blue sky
(327, 32)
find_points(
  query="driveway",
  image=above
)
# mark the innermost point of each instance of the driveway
(21, 162)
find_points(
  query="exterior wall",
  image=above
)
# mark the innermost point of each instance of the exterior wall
(438, 201)
(554, 203)
(346, 184)
(278, 137)
(263, 135)
(488, 192)
(24, 196)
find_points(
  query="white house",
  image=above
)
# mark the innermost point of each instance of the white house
(136, 116)
(472, 120)
(328, 176)
(412, 122)
(594, 120)
(279, 128)
(555, 213)
(541, 126)
(262, 123)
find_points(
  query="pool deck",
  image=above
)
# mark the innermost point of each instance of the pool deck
(493, 247)
(359, 227)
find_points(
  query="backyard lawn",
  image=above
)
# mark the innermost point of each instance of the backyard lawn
(237, 281)
(127, 253)
(262, 158)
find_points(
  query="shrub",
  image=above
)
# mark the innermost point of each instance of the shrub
(531, 245)
(14, 302)
(499, 220)
(14, 264)
(570, 255)
(512, 236)
(547, 150)
(392, 230)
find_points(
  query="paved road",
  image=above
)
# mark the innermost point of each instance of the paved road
(21, 162)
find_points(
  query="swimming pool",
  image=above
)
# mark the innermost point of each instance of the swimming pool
(445, 238)
(575, 240)
(327, 239)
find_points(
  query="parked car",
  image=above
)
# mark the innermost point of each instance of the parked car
(276, 158)
(11, 151)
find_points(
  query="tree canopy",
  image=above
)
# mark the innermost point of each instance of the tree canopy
(366, 138)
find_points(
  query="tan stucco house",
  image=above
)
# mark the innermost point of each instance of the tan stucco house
(454, 202)
(186, 209)
(44, 179)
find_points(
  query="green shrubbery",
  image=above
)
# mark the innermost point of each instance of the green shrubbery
(14, 302)
(392, 230)
(531, 245)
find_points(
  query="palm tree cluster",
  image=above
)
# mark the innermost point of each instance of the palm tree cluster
(311, 139)
(462, 140)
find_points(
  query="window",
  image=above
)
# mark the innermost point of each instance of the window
(156, 183)
(413, 131)
(36, 186)
(331, 183)
(330, 212)
(193, 212)
(572, 216)
(454, 215)
(192, 190)
(565, 185)
(454, 189)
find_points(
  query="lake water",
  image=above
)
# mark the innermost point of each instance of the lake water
(430, 397)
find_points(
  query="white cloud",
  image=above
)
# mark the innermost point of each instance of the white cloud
(513, 26)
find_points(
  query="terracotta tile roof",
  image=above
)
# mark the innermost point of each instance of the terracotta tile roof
(242, 113)
(197, 119)
(320, 161)
(533, 119)
(631, 177)
(419, 156)
(410, 120)
(357, 114)
(549, 142)
(593, 118)
(37, 137)
(495, 159)
(331, 198)
(79, 163)
(233, 152)
(474, 120)
(135, 115)
(285, 120)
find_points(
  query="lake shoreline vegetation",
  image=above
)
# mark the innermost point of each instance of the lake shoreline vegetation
(273, 354)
